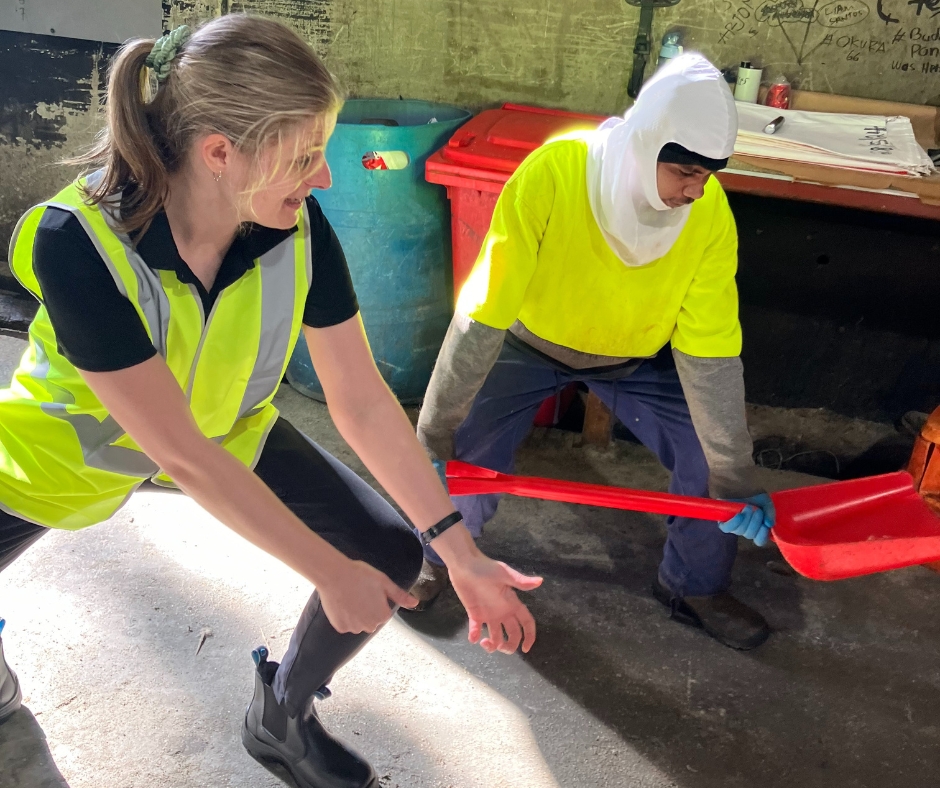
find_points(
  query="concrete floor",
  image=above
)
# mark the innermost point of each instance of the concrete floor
(104, 624)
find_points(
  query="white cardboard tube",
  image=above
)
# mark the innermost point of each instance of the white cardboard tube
(748, 84)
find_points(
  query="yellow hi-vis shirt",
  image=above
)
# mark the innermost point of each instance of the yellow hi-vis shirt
(545, 263)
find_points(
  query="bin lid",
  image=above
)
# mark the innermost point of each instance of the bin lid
(499, 139)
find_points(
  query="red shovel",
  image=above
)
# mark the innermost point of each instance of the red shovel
(826, 532)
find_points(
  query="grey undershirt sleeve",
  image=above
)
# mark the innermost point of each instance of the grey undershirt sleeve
(714, 390)
(469, 351)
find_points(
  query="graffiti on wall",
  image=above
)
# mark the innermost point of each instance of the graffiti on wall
(904, 33)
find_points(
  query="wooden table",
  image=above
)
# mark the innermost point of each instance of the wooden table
(769, 184)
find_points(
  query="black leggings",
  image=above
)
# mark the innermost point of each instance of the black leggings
(336, 504)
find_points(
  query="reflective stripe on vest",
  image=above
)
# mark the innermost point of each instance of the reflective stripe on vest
(229, 366)
(96, 438)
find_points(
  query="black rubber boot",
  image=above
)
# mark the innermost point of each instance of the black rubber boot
(315, 652)
(728, 620)
(300, 744)
(10, 695)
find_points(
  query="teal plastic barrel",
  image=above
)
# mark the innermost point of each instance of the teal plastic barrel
(395, 229)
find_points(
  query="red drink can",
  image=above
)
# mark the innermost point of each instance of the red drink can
(778, 95)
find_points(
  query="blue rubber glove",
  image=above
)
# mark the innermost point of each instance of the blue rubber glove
(441, 467)
(754, 521)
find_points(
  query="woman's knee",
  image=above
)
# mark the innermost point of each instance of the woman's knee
(402, 556)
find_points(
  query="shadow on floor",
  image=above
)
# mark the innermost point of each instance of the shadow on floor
(840, 695)
(24, 753)
(781, 452)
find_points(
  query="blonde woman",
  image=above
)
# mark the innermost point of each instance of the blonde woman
(173, 282)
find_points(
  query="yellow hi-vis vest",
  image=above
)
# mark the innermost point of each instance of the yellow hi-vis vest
(64, 461)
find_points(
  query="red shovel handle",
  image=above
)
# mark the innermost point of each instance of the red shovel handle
(466, 479)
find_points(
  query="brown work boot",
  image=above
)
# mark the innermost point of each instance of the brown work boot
(429, 585)
(729, 621)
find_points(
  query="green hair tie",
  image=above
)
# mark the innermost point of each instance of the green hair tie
(165, 49)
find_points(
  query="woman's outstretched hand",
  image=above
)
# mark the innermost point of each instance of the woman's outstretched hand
(487, 589)
(360, 598)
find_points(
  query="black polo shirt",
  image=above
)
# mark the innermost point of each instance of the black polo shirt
(99, 330)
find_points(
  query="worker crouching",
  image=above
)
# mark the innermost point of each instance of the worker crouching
(610, 261)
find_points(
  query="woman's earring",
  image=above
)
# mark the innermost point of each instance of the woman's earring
(217, 176)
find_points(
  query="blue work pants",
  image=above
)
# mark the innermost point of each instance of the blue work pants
(698, 557)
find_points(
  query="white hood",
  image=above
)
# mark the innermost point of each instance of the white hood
(686, 102)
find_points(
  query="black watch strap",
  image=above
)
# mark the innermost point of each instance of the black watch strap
(438, 528)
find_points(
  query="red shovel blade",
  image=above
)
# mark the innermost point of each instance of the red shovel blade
(828, 532)
(847, 529)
